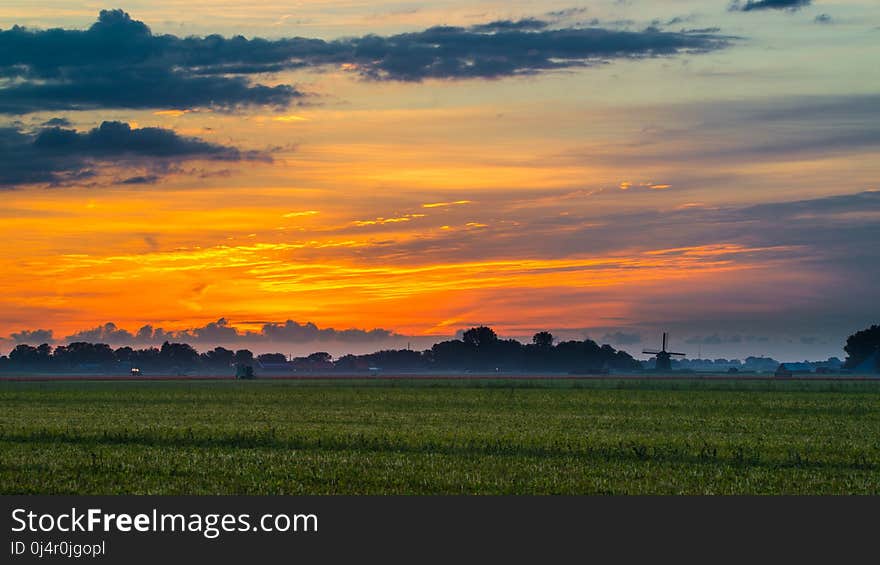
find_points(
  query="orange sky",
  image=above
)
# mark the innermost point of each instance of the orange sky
(580, 200)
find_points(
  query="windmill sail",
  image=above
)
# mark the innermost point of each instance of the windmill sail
(663, 361)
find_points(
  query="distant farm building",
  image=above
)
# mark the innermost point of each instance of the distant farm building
(799, 367)
(789, 369)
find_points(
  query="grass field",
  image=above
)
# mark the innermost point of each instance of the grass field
(426, 437)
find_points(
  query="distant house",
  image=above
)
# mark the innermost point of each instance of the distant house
(789, 369)
(783, 371)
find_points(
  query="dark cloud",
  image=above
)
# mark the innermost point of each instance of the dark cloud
(119, 63)
(293, 332)
(216, 332)
(33, 337)
(288, 332)
(57, 122)
(567, 12)
(108, 333)
(511, 25)
(148, 335)
(141, 179)
(114, 139)
(60, 156)
(703, 30)
(138, 88)
(752, 5)
(459, 53)
(677, 20)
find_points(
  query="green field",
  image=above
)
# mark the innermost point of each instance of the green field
(427, 437)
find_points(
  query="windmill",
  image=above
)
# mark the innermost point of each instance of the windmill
(664, 358)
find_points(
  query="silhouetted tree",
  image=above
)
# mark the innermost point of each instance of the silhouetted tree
(272, 358)
(146, 358)
(81, 354)
(504, 354)
(543, 340)
(320, 357)
(453, 354)
(480, 337)
(347, 363)
(395, 359)
(218, 358)
(26, 355)
(124, 354)
(480, 349)
(243, 357)
(860, 346)
(178, 355)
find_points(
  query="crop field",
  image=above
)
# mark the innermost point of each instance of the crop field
(432, 437)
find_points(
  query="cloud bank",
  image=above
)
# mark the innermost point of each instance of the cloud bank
(219, 332)
(59, 156)
(33, 337)
(119, 62)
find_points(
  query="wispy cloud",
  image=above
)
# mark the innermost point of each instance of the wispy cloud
(758, 5)
(446, 204)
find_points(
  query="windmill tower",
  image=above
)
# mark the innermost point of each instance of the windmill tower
(664, 358)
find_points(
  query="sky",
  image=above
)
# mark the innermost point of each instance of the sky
(349, 176)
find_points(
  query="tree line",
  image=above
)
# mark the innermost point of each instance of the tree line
(479, 349)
